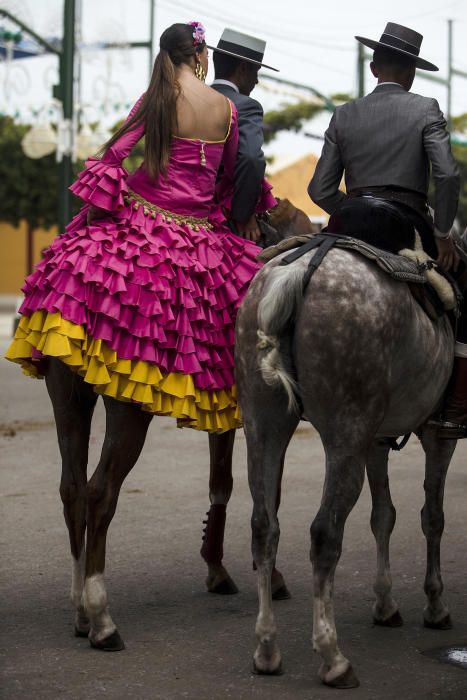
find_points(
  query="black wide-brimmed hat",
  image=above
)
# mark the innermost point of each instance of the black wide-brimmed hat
(243, 46)
(402, 40)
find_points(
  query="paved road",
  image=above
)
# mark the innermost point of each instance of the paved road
(182, 642)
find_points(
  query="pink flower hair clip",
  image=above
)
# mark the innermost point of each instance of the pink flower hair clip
(198, 33)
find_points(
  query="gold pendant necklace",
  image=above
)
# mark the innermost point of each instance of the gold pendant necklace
(202, 154)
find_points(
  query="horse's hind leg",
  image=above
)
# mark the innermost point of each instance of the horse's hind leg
(383, 518)
(268, 429)
(126, 428)
(345, 471)
(438, 457)
(220, 490)
(73, 403)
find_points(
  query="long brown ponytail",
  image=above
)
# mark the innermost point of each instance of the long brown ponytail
(158, 108)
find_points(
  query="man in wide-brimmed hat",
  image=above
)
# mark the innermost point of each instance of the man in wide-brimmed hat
(237, 59)
(385, 143)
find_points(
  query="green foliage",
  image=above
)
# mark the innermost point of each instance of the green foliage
(459, 123)
(289, 118)
(460, 154)
(136, 157)
(341, 97)
(28, 187)
(459, 151)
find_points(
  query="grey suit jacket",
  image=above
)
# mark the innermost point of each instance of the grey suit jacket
(388, 138)
(250, 165)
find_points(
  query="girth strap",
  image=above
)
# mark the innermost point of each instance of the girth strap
(393, 444)
(324, 243)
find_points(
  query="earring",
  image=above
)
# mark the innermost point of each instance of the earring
(199, 72)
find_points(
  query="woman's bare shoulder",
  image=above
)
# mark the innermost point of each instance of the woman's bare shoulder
(214, 96)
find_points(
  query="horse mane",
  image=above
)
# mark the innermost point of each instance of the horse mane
(289, 220)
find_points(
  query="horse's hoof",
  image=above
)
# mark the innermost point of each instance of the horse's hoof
(394, 621)
(225, 586)
(282, 593)
(112, 643)
(81, 632)
(264, 672)
(444, 624)
(348, 679)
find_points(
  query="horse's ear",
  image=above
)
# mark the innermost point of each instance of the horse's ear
(282, 213)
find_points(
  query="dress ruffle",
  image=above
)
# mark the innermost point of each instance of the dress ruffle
(142, 302)
(102, 184)
(170, 394)
(267, 200)
(152, 290)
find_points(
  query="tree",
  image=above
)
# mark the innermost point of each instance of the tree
(289, 118)
(292, 117)
(460, 154)
(28, 187)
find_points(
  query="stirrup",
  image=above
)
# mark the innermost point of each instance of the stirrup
(447, 430)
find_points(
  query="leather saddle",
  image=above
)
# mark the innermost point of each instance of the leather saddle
(432, 291)
(375, 221)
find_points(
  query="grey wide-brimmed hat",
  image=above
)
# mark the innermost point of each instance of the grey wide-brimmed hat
(402, 40)
(243, 46)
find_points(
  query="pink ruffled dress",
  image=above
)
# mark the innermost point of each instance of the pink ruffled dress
(142, 303)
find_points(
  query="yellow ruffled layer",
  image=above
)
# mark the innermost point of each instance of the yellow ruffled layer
(172, 394)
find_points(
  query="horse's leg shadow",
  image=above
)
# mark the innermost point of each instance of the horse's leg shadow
(268, 430)
(220, 490)
(383, 518)
(438, 457)
(73, 403)
(279, 588)
(345, 472)
(126, 428)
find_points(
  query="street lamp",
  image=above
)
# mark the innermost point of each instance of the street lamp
(39, 141)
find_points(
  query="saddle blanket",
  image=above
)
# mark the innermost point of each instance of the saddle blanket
(411, 266)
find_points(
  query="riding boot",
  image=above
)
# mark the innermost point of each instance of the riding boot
(212, 549)
(453, 424)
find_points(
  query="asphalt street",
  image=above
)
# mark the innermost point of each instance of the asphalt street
(181, 641)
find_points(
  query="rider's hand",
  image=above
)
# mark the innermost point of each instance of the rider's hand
(447, 254)
(249, 230)
(95, 213)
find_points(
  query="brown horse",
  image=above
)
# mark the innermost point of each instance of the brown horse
(282, 222)
(89, 505)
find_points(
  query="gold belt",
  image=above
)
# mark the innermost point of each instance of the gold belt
(152, 210)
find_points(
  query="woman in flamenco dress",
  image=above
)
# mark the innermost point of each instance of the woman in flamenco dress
(139, 295)
(137, 299)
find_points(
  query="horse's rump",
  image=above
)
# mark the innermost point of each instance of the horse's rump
(353, 332)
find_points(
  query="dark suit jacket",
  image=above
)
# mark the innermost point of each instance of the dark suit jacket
(250, 165)
(388, 138)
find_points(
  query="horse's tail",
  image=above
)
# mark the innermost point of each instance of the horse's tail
(276, 311)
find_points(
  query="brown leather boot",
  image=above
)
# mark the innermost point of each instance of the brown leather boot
(453, 425)
(212, 549)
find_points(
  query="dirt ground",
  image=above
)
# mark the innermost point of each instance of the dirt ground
(182, 642)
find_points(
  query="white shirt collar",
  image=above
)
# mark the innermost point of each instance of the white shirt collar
(221, 81)
(389, 82)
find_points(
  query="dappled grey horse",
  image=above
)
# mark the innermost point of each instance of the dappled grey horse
(367, 362)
